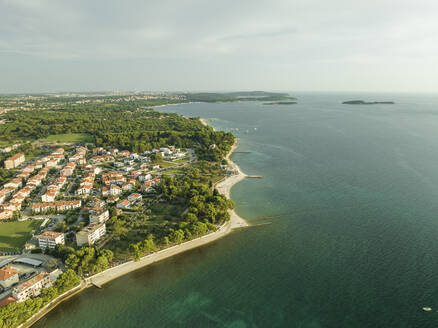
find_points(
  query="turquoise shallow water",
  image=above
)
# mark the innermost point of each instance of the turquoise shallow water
(354, 242)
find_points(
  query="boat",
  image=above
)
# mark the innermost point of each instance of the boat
(427, 309)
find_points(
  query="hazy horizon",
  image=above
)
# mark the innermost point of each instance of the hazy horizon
(307, 46)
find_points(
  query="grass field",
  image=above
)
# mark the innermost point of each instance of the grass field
(13, 235)
(69, 137)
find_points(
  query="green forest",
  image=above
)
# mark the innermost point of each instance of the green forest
(123, 126)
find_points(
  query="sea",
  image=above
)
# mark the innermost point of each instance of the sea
(344, 225)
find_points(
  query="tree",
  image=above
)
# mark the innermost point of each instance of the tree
(177, 236)
(67, 280)
(72, 261)
(191, 217)
(101, 263)
(135, 251)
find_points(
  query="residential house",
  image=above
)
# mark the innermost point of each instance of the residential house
(52, 163)
(98, 151)
(124, 153)
(147, 187)
(113, 178)
(124, 204)
(8, 276)
(39, 164)
(14, 183)
(112, 199)
(145, 177)
(128, 186)
(35, 180)
(6, 215)
(135, 197)
(58, 151)
(68, 169)
(28, 169)
(115, 190)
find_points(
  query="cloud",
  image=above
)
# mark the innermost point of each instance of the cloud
(268, 41)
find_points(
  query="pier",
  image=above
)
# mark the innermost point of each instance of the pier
(96, 285)
(255, 176)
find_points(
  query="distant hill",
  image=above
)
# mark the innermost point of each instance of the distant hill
(362, 102)
(237, 96)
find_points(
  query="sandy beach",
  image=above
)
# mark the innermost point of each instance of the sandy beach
(224, 187)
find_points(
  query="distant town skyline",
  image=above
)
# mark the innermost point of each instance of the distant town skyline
(312, 45)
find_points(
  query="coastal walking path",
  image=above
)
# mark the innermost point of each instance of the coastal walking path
(122, 269)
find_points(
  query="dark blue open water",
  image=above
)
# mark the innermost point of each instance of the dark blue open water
(354, 242)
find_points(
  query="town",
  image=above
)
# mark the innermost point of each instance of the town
(71, 191)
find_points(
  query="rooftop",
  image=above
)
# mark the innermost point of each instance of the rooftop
(7, 272)
(50, 234)
(16, 156)
(31, 282)
(28, 261)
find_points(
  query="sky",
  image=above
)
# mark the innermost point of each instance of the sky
(209, 45)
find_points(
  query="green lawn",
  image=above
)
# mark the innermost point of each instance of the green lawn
(69, 137)
(13, 235)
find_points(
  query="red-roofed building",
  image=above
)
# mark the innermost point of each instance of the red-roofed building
(8, 276)
(6, 214)
(14, 161)
(124, 153)
(7, 300)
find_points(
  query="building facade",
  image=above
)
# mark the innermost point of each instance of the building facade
(90, 234)
(8, 277)
(49, 239)
(14, 161)
(32, 287)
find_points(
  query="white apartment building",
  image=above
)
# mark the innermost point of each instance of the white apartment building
(32, 287)
(90, 234)
(49, 239)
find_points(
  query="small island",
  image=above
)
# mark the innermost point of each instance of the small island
(281, 103)
(361, 102)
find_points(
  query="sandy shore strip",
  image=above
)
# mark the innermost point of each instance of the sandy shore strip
(224, 187)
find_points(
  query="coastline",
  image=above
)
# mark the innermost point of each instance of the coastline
(224, 186)
(176, 104)
(97, 280)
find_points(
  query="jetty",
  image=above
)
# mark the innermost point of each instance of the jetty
(264, 218)
(96, 285)
(255, 176)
